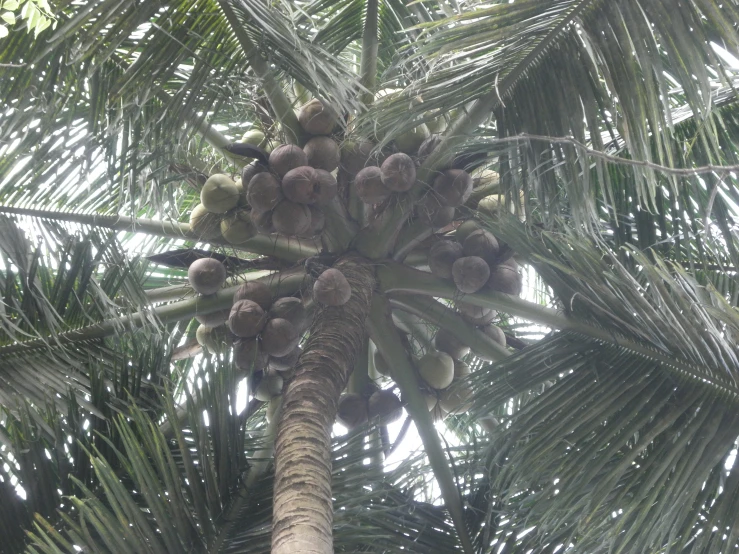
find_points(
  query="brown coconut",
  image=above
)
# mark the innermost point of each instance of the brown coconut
(219, 194)
(476, 315)
(287, 362)
(247, 319)
(384, 405)
(369, 186)
(317, 221)
(318, 117)
(237, 228)
(444, 341)
(256, 291)
(495, 333)
(398, 172)
(286, 157)
(215, 340)
(269, 386)
(291, 219)
(436, 369)
(331, 288)
(442, 256)
(262, 221)
(301, 185)
(323, 153)
(504, 279)
(326, 187)
(482, 244)
(470, 274)
(213, 319)
(250, 170)
(204, 224)
(264, 192)
(291, 309)
(453, 187)
(206, 275)
(248, 355)
(352, 410)
(279, 337)
(430, 211)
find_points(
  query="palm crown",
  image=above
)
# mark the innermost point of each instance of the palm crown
(600, 412)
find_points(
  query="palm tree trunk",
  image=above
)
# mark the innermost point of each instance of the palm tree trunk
(303, 512)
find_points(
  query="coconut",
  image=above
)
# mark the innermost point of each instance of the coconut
(384, 405)
(237, 228)
(264, 192)
(432, 212)
(331, 288)
(242, 193)
(453, 187)
(206, 275)
(466, 229)
(317, 117)
(250, 170)
(442, 256)
(291, 219)
(437, 369)
(323, 153)
(291, 309)
(509, 263)
(470, 274)
(300, 185)
(248, 355)
(489, 205)
(504, 279)
(356, 155)
(215, 340)
(262, 221)
(204, 224)
(255, 137)
(247, 318)
(326, 187)
(213, 319)
(444, 341)
(456, 400)
(255, 291)
(476, 315)
(482, 244)
(369, 186)
(279, 337)
(431, 399)
(219, 194)
(286, 157)
(495, 333)
(269, 386)
(352, 410)
(286, 363)
(398, 172)
(317, 221)
(428, 146)
(410, 141)
(461, 370)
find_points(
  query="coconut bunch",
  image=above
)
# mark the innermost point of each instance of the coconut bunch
(206, 276)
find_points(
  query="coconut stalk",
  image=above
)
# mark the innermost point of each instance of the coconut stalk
(289, 249)
(381, 329)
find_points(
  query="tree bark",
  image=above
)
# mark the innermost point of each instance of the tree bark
(303, 512)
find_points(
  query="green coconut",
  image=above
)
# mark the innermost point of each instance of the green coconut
(410, 141)
(476, 315)
(323, 153)
(301, 185)
(369, 186)
(215, 340)
(442, 256)
(213, 319)
(356, 155)
(287, 362)
(206, 275)
(248, 355)
(470, 274)
(457, 399)
(483, 244)
(431, 212)
(453, 187)
(461, 370)
(237, 228)
(279, 337)
(291, 219)
(353, 410)
(436, 369)
(484, 178)
(318, 117)
(398, 172)
(264, 192)
(247, 319)
(291, 309)
(219, 194)
(256, 291)
(331, 288)
(204, 224)
(262, 221)
(286, 157)
(466, 229)
(444, 341)
(269, 386)
(383, 404)
(505, 279)
(326, 187)
(255, 137)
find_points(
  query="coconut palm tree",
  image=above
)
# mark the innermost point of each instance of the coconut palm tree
(596, 413)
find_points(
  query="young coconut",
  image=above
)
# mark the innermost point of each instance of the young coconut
(247, 319)
(369, 186)
(432, 212)
(291, 309)
(206, 275)
(331, 288)
(323, 153)
(453, 187)
(237, 228)
(317, 117)
(248, 355)
(352, 410)
(256, 291)
(301, 185)
(262, 221)
(437, 369)
(456, 400)
(215, 340)
(204, 224)
(286, 157)
(442, 256)
(384, 405)
(213, 319)
(444, 341)
(356, 155)
(264, 192)
(219, 194)
(285, 363)
(465, 230)
(476, 315)
(279, 337)
(410, 141)
(269, 386)
(495, 333)
(461, 370)
(255, 137)
(398, 172)
(326, 187)
(482, 244)
(291, 219)
(504, 279)
(470, 274)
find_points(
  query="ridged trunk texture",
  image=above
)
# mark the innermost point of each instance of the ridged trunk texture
(303, 511)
